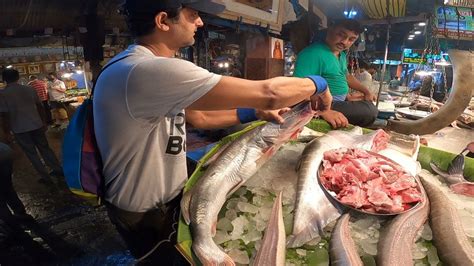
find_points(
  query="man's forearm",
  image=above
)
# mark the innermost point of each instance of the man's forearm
(212, 119)
(356, 85)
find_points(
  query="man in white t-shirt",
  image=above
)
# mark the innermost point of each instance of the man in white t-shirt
(57, 92)
(139, 119)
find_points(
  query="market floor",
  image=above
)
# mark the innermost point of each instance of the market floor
(66, 230)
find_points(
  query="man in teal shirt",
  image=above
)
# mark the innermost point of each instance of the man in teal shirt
(328, 60)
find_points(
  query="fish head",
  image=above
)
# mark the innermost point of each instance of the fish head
(274, 134)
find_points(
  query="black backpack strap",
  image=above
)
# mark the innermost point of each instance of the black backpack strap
(109, 64)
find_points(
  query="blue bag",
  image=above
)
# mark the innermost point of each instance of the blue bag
(82, 163)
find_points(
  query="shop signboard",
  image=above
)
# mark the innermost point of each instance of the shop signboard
(413, 56)
(454, 22)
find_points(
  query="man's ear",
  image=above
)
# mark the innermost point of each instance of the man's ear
(160, 21)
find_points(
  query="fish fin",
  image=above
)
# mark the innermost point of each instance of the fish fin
(456, 166)
(185, 202)
(464, 188)
(438, 170)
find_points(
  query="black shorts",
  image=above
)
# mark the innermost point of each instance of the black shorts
(151, 236)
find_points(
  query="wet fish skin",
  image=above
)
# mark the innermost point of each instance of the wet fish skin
(449, 237)
(397, 238)
(273, 248)
(313, 209)
(236, 164)
(342, 249)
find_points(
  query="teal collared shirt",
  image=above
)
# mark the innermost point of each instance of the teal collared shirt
(318, 59)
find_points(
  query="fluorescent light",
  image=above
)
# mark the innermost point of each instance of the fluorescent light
(417, 32)
(346, 13)
(411, 36)
(9, 66)
(66, 75)
(422, 24)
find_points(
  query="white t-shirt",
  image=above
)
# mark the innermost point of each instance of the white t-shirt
(54, 94)
(139, 123)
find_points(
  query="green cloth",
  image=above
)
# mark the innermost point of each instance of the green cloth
(318, 59)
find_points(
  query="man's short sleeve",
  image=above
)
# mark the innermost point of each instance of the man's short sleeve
(307, 64)
(166, 86)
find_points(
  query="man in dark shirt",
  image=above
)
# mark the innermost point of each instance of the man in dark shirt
(22, 108)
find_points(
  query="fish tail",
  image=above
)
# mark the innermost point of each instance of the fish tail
(185, 202)
(456, 166)
(310, 232)
(210, 254)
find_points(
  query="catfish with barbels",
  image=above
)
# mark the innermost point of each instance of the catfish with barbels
(454, 177)
(240, 160)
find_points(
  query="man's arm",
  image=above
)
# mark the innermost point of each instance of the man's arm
(270, 94)
(356, 85)
(227, 118)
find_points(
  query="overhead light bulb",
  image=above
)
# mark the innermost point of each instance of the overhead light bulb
(417, 32)
(9, 66)
(411, 36)
(422, 24)
(226, 65)
(446, 2)
(346, 13)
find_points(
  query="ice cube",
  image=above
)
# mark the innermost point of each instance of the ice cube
(369, 248)
(419, 251)
(232, 203)
(239, 256)
(251, 236)
(432, 254)
(240, 224)
(247, 207)
(221, 237)
(301, 252)
(231, 214)
(224, 224)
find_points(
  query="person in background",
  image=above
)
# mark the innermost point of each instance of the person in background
(41, 88)
(57, 93)
(9, 201)
(394, 83)
(140, 119)
(362, 75)
(427, 86)
(328, 59)
(23, 114)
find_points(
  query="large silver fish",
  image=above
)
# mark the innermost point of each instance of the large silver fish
(342, 248)
(234, 166)
(449, 237)
(313, 209)
(273, 248)
(397, 239)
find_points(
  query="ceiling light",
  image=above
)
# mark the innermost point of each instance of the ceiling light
(417, 32)
(346, 13)
(410, 39)
(422, 24)
(411, 36)
(9, 66)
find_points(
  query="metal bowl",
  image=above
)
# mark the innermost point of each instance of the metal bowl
(333, 195)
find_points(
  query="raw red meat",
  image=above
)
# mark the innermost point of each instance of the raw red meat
(368, 181)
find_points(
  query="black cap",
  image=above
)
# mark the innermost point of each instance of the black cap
(131, 7)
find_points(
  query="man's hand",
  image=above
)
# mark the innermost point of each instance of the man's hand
(334, 118)
(272, 115)
(355, 96)
(368, 96)
(322, 102)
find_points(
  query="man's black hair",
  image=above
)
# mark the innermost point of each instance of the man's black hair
(141, 21)
(10, 75)
(350, 24)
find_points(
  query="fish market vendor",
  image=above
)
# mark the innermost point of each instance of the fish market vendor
(139, 119)
(328, 59)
